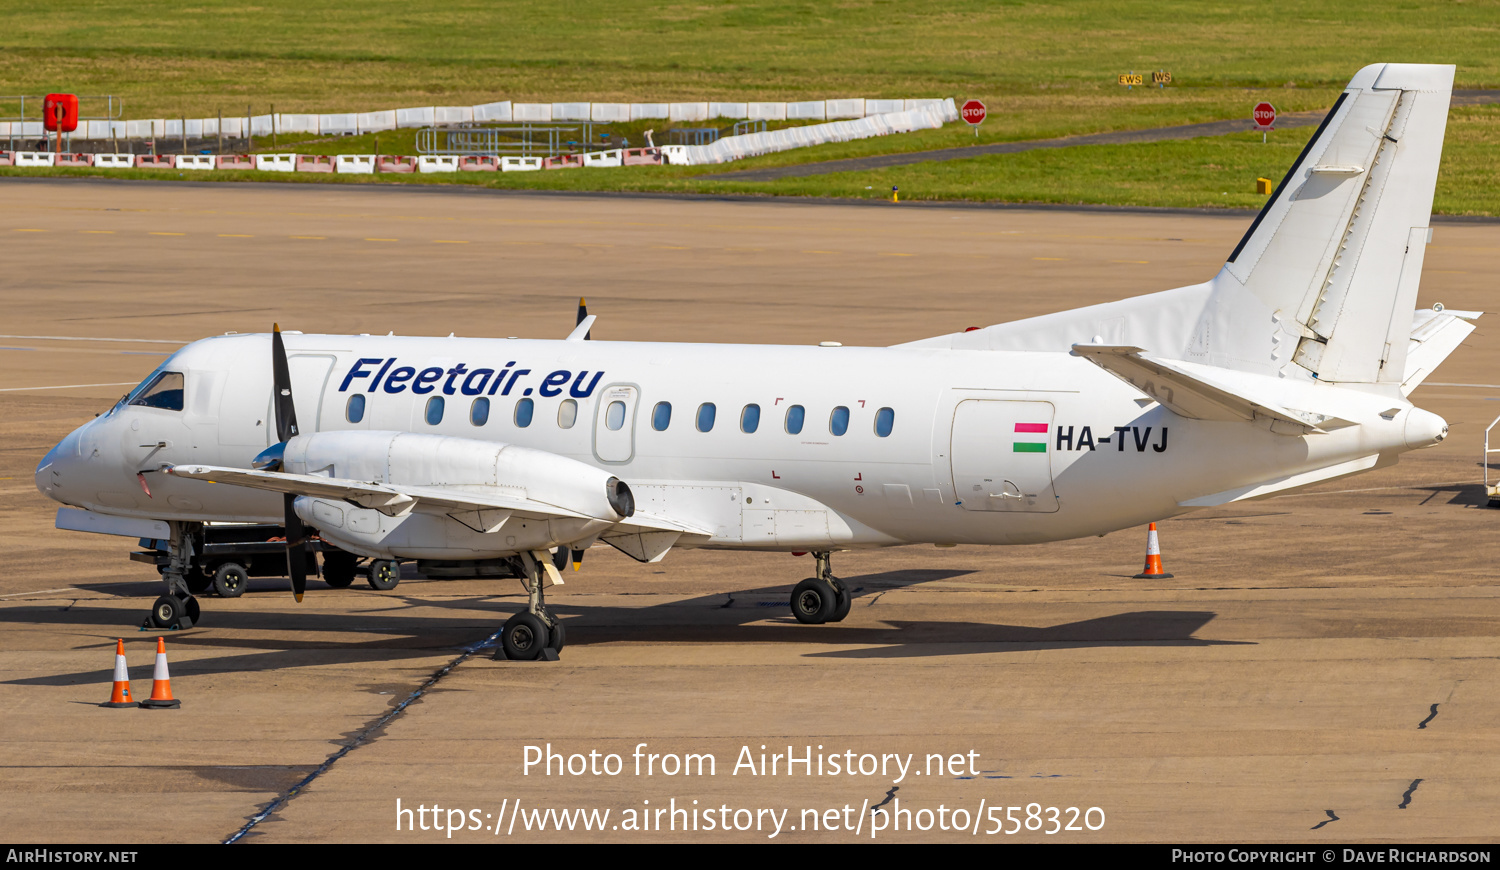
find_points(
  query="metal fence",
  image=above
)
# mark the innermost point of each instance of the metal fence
(530, 139)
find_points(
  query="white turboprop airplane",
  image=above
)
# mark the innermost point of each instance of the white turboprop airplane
(1291, 367)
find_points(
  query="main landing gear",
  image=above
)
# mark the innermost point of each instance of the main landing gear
(178, 609)
(533, 633)
(823, 598)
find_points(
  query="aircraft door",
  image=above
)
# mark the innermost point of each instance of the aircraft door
(1001, 456)
(614, 423)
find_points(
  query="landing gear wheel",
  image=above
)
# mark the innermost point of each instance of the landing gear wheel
(199, 582)
(230, 580)
(192, 609)
(558, 636)
(338, 569)
(814, 601)
(841, 607)
(384, 574)
(167, 612)
(524, 637)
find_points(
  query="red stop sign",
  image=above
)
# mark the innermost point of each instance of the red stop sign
(1264, 115)
(972, 112)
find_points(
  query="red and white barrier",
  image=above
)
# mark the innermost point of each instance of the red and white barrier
(520, 164)
(7, 158)
(276, 162)
(236, 161)
(563, 161)
(396, 163)
(478, 163)
(153, 161)
(314, 163)
(641, 157)
(437, 163)
(354, 164)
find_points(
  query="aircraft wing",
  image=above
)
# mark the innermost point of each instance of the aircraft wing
(389, 500)
(1195, 394)
(647, 538)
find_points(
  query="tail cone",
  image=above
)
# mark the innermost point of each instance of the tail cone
(120, 697)
(1153, 569)
(161, 683)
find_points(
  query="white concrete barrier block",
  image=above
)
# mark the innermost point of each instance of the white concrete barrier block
(571, 111)
(377, 122)
(194, 128)
(86, 130)
(675, 155)
(729, 110)
(260, 125)
(420, 116)
(500, 111)
(114, 161)
(950, 111)
(883, 107)
(520, 164)
(437, 163)
(921, 104)
(34, 158)
(844, 109)
(207, 126)
(193, 161)
(453, 114)
(338, 125)
(610, 112)
(5, 131)
(276, 162)
(805, 111)
(642, 111)
(135, 129)
(687, 111)
(297, 124)
(531, 111)
(173, 128)
(601, 159)
(354, 164)
(766, 111)
(234, 128)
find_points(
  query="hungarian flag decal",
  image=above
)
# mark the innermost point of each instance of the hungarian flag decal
(1030, 438)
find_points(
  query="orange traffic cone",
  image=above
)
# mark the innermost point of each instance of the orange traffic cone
(120, 697)
(1153, 569)
(161, 681)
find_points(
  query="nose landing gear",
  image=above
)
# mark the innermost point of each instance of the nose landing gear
(823, 598)
(178, 609)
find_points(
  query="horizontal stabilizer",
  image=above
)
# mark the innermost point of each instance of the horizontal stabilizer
(1435, 334)
(1199, 392)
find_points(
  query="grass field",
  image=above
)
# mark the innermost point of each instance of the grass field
(1044, 69)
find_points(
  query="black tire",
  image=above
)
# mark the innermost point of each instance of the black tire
(167, 611)
(384, 574)
(841, 607)
(813, 601)
(339, 569)
(192, 609)
(230, 580)
(524, 637)
(558, 636)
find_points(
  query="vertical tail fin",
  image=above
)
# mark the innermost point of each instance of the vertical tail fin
(1336, 254)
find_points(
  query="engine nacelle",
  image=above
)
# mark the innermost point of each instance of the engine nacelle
(458, 466)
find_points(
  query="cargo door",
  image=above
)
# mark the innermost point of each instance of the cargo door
(1001, 456)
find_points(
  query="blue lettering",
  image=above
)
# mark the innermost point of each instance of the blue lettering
(512, 381)
(468, 387)
(584, 394)
(396, 383)
(500, 379)
(380, 374)
(452, 373)
(552, 384)
(358, 371)
(427, 376)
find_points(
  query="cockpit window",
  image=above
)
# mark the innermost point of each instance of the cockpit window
(162, 391)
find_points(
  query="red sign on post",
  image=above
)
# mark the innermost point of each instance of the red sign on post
(973, 113)
(1264, 115)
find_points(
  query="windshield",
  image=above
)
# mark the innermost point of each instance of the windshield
(161, 390)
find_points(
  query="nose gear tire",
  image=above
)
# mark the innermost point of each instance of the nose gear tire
(814, 601)
(524, 636)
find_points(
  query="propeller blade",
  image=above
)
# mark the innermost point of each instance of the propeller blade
(583, 311)
(281, 381)
(296, 548)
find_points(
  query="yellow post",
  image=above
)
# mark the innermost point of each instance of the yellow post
(1263, 186)
(895, 194)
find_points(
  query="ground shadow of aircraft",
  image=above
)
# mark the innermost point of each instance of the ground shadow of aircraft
(750, 616)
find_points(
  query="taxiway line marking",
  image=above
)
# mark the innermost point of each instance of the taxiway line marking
(65, 387)
(37, 592)
(27, 231)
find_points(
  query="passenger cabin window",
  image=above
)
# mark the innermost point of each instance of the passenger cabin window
(434, 413)
(524, 409)
(567, 414)
(838, 421)
(750, 419)
(794, 417)
(614, 416)
(661, 416)
(355, 411)
(479, 412)
(163, 391)
(706, 413)
(885, 418)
